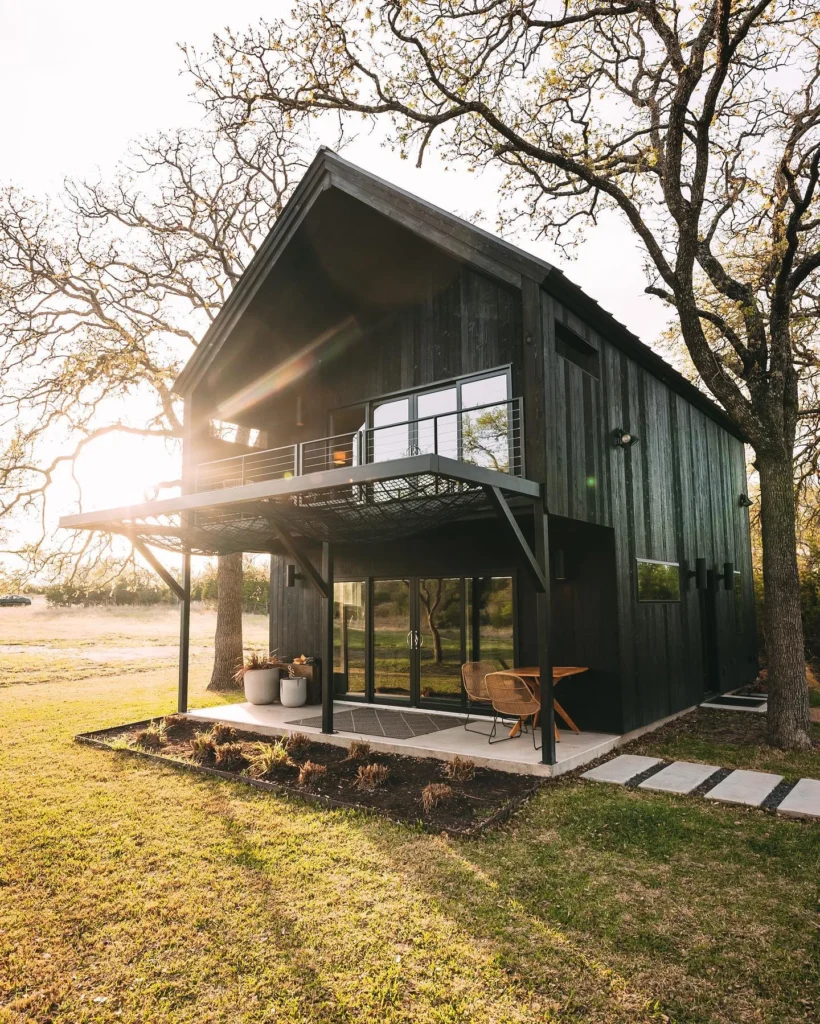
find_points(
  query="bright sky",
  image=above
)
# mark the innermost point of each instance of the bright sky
(80, 80)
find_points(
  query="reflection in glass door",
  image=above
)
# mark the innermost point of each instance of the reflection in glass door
(349, 632)
(392, 639)
(441, 641)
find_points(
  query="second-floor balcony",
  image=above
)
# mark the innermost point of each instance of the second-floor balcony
(489, 436)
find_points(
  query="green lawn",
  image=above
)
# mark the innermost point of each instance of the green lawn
(131, 892)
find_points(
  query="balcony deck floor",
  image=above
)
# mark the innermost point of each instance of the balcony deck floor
(516, 755)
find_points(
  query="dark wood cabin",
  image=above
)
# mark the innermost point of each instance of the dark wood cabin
(372, 326)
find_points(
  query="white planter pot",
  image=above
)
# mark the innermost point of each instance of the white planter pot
(262, 685)
(294, 692)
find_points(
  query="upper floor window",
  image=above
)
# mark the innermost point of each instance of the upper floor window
(658, 581)
(471, 419)
(574, 348)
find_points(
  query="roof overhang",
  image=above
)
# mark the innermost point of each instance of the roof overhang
(376, 501)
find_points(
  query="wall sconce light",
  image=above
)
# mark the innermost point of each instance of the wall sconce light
(291, 575)
(623, 439)
(299, 421)
(700, 574)
(560, 565)
(728, 576)
(745, 501)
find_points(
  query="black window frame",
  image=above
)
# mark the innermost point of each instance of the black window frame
(656, 600)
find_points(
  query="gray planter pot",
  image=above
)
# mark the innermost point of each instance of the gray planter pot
(262, 685)
(293, 692)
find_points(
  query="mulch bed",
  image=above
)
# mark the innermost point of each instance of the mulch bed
(475, 806)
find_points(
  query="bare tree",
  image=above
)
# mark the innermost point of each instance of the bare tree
(103, 294)
(699, 124)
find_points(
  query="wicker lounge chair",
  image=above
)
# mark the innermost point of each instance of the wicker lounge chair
(512, 698)
(473, 673)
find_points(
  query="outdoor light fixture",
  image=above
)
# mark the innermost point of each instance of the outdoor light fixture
(745, 501)
(623, 439)
(699, 574)
(291, 575)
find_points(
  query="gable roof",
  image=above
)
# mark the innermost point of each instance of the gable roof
(464, 241)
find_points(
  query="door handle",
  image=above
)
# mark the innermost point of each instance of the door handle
(410, 639)
(419, 639)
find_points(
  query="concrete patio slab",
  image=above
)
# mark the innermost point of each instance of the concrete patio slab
(516, 755)
(680, 777)
(745, 787)
(803, 801)
(621, 769)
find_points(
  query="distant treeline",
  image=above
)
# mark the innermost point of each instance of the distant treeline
(142, 588)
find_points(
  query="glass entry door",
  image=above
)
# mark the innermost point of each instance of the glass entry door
(405, 640)
(393, 639)
(440, 638)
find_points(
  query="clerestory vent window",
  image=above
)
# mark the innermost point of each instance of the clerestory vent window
(573, 347)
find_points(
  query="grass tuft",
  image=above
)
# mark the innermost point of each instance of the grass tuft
(460, 769)
(358, 750)
(152, 737)
(203, 748)
(230, 757)
(434, 794)
(296, 741)
(174, 724)
(222, 733)
(267, 758)
(371, 776)
(311, 773)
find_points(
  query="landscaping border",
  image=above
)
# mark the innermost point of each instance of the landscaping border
(497, 818)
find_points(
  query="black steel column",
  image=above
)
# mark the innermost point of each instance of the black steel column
(543, 619)
(184, 634)
(327, 639)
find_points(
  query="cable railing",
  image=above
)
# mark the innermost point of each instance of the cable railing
(489, 435)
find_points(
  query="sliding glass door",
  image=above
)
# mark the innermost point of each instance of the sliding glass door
(440, 638)
(393, 639)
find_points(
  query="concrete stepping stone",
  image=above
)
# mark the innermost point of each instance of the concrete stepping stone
(803, 801)
(680, 777)
(745, 787)
(621, 769)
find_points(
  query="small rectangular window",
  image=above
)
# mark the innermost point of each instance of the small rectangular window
(737, 592)
(573, 347)
(658, 581)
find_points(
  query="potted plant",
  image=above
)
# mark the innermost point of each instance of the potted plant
(260, 677)
(294, 686)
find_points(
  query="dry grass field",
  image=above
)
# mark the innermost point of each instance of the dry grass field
(131, 892)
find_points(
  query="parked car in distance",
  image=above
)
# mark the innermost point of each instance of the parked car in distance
(13, 600)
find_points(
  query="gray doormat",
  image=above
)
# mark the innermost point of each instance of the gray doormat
(393, 725)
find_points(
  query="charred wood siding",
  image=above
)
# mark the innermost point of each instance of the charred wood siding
(469, 325)
(672, 497)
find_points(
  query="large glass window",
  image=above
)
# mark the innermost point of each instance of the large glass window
(658, 581)
(439, 434)
(469, 419)
(485, 430)
(349, 633)
(388, 441)
(490, 620)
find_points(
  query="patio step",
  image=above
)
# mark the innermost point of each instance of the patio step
(740, 786)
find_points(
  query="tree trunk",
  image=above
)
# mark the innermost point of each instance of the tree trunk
(228, 637)
(788, 716)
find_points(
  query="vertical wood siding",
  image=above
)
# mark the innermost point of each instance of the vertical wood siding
(672, 497)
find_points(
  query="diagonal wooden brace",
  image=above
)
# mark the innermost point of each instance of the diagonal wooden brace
(504, 513)
(301, 559)
(158, 567)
